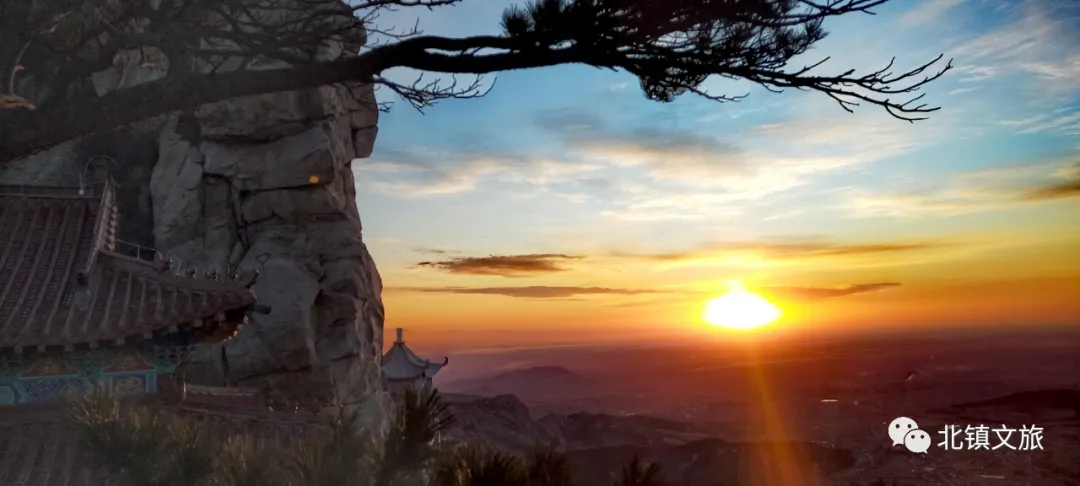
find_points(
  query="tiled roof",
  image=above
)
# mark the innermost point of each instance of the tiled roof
(62, 283)
(400, 363)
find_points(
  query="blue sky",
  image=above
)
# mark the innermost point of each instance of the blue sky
(575, 160)
(489, 173)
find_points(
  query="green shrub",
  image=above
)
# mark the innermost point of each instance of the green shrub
(142, 446)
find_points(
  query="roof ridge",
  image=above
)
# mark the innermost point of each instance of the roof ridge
(13, 194)
(104, 231)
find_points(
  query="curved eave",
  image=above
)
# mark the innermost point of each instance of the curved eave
(400, 363)
(433, 368)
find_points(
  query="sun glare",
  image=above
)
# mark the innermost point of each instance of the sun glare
(740, 309)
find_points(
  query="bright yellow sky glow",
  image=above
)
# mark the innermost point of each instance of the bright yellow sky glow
(740, 309)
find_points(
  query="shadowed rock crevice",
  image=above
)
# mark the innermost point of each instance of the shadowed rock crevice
(131, 165)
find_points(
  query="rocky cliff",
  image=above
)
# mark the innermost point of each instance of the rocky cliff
(260, 182)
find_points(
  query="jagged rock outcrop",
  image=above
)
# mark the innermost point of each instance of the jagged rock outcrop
(258, 182)
(502, 423)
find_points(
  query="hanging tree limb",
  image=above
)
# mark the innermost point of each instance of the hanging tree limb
(671, 46)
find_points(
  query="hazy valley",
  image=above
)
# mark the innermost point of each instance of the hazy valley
(698, 409)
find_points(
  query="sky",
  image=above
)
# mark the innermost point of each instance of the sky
(565, 207)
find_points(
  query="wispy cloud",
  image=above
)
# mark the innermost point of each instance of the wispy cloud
(662, 173)
(786, 250)
(503, 265)
(427, 250)
(929, 11)
(1042, 43)
(1056, 191)
(1062, 121)
(971, 192)
(530, 292)
(564, 292)
(422, 173)
(817, 293)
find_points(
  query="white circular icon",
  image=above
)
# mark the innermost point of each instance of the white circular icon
(899, 427)
(917, 441)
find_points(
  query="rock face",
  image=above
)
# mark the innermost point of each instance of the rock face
(258, 182)
(277, 193)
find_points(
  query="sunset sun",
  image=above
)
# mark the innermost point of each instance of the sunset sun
(740, 309)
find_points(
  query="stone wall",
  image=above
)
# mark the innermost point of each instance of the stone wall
(258, 182)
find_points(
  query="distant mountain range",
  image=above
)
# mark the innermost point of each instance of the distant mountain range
(598, 444)
(505, 423)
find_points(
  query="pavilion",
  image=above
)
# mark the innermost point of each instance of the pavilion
(404, 370)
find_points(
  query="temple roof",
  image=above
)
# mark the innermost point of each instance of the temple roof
(400, 363)
(62, 282)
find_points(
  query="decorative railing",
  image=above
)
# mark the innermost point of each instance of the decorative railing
(86, 183)
(177, 267)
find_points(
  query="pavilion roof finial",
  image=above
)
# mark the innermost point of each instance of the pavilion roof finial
(399, 341)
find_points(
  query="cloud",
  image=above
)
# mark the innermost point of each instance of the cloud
(1056, 191)
(566, 292)
(427, 250)
(1042, 44)
(673, 155)
(503, 265)
(567, 120)
(929, 11)
(531, 292)
(694, 160)
(817, 293)
(427, 173)
(971, 192)
(660, 173)
(1062, 121)
(786, 250)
